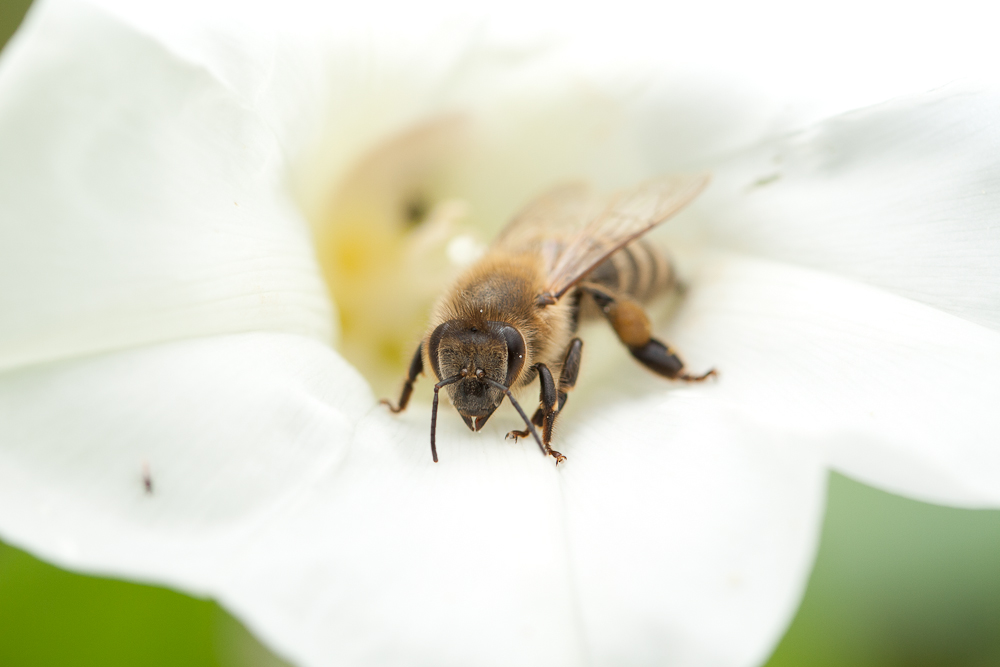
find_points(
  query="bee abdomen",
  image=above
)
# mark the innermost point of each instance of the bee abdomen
(640, 270)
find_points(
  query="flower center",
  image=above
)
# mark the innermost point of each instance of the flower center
(389, 242)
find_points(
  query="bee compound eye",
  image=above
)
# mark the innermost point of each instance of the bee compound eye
(515, 351)
(434, 347)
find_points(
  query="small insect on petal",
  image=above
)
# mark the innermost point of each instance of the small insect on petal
(147, 479)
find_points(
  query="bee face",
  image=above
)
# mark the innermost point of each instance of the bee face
(476, 352)
(473, 354)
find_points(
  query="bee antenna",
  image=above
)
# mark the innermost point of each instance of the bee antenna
(531, 427)
(434, 410)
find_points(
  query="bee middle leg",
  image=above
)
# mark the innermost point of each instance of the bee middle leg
(630, 322)
(553, 397)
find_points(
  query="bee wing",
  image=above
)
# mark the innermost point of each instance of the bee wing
(604, 229)
(547, 222)
(559, 211)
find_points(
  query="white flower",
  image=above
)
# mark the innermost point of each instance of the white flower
(163, 307)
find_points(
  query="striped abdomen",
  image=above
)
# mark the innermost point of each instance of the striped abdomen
(640, 270)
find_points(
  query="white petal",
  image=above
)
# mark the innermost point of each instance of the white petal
(902, 394)
(229, 428)
(902, 195)
(693, 526)
(701, 529)
(143, 199)
(345, 544)
(337, 546)
(331, 540)
(658, 543)
(394, 559)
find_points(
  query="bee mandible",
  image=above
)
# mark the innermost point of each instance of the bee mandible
(512, 317)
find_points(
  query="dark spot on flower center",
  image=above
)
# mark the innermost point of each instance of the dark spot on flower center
(415, 210)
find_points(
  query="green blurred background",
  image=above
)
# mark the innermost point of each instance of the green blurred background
(897, 583)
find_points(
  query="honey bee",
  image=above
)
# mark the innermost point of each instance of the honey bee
(512, 317)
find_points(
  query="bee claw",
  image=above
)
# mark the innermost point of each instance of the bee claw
(386, 402)
(514, 435)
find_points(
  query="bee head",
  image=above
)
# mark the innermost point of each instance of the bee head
(475, 352)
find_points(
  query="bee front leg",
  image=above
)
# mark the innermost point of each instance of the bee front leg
(416, 368)
(545, 415)
(553, 397)
(630, 322)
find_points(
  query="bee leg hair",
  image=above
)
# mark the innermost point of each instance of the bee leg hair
(416, 368)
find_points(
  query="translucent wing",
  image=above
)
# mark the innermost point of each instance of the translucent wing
(560, 211)
(578, 231)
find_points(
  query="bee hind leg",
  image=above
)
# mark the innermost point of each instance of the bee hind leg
(660, 359)
(631, 323)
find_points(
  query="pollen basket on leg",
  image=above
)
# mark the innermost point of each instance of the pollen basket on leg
(383, 244)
